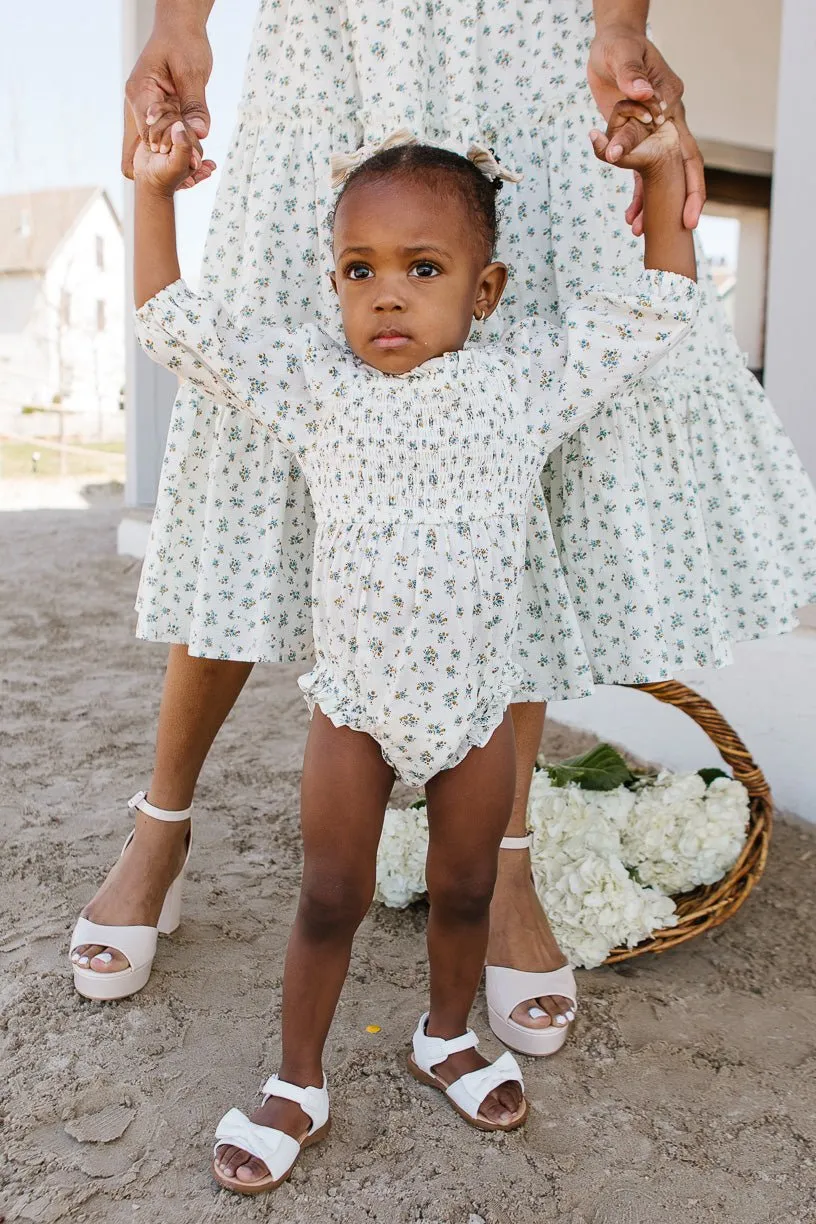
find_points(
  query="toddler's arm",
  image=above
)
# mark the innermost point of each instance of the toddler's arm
(157, 177)
(659, 161)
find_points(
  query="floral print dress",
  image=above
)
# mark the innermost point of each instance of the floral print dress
(673, 523)
(420, 484)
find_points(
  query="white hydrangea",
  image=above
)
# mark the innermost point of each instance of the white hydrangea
(672, 831)
(591, 900)
(595, 906)
(401, 857)
(681, 833)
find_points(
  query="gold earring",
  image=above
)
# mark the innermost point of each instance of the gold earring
(481, 316)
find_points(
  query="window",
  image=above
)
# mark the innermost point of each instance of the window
(100, 316)
(65, 308)
(734, 235)
(100, 252)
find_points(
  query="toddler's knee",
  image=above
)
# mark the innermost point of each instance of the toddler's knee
(465, 898)
(330, 907)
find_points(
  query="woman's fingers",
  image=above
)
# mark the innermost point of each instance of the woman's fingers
(629, 124)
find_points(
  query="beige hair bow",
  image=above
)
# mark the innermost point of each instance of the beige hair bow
(343, 164)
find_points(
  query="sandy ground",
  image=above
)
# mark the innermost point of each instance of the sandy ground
(686, 1095)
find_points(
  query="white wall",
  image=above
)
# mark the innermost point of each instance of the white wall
(727, 52)
(792, 274)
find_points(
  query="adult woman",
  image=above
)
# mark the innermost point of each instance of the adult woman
(664, 549)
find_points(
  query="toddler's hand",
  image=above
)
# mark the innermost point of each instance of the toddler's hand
(638, 137)
(172, 162)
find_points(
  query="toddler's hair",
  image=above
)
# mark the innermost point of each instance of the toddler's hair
(448, 171)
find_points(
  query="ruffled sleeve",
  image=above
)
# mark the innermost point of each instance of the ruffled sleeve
(263, 375)
(607, 340)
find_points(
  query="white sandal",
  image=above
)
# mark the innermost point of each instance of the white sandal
(468, 1092)
(137, 943)
(277, 1150)
(506, 988)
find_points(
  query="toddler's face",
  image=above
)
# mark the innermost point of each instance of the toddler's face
(409, 272)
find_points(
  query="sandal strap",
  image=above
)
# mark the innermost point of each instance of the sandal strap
(430, 1051)
(516, 843)
(140, 803)
(313, 1101)
(470, 1090)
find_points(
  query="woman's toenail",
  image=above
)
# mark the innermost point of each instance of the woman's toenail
(75, 957)
(536, 1013)
(560, 1019)
(104, 957)
(83, 960)
(570, 1016)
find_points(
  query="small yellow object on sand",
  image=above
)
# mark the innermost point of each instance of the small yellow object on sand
(373, 1028)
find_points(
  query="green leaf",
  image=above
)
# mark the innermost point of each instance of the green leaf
(600, 769)
(709, 775)
(418, 805)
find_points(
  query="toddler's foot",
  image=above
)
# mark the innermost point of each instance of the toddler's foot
(502, 1105)
(298, 1110)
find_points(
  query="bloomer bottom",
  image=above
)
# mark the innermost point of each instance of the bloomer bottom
(414, 742)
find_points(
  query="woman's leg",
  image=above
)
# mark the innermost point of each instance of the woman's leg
(198, 695)
(520, 936)
(468, 810)
(345, 789)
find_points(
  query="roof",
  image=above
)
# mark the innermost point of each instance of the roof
(34, 225)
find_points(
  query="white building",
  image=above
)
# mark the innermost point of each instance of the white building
(62, 300)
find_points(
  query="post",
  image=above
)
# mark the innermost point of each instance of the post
(149, 389)
(792, 272)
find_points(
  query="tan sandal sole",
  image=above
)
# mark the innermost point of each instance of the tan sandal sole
(268, 1183)
(433, 1081)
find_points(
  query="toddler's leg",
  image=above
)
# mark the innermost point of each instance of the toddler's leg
(345, 789)
(468, 811)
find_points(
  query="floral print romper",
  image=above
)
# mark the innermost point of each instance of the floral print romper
(420, 485)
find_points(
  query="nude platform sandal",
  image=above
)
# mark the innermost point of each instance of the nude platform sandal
(137, 943)
(506, 988)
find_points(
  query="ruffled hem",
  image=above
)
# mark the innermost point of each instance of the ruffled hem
(323, 691)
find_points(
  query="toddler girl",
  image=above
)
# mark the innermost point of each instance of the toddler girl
(420, 456)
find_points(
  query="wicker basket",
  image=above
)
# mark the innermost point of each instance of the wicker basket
(708, 906)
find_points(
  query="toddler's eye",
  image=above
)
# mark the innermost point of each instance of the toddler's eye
(359, 272)
(425, 270)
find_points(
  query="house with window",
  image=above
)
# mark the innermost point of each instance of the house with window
(62, 295)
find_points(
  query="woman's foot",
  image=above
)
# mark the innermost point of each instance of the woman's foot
(134, 890)
(520, 938)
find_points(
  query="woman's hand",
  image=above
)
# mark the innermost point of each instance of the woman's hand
(623, 63)
(168, 80)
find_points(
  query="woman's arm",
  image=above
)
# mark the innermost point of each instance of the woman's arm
(176, 63)
(623, 63)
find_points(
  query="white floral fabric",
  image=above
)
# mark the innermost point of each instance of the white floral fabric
(420, 484)
(674, 522)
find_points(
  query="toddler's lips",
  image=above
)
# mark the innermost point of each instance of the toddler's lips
(391, 340)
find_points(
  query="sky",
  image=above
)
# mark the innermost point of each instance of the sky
(61, 89)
